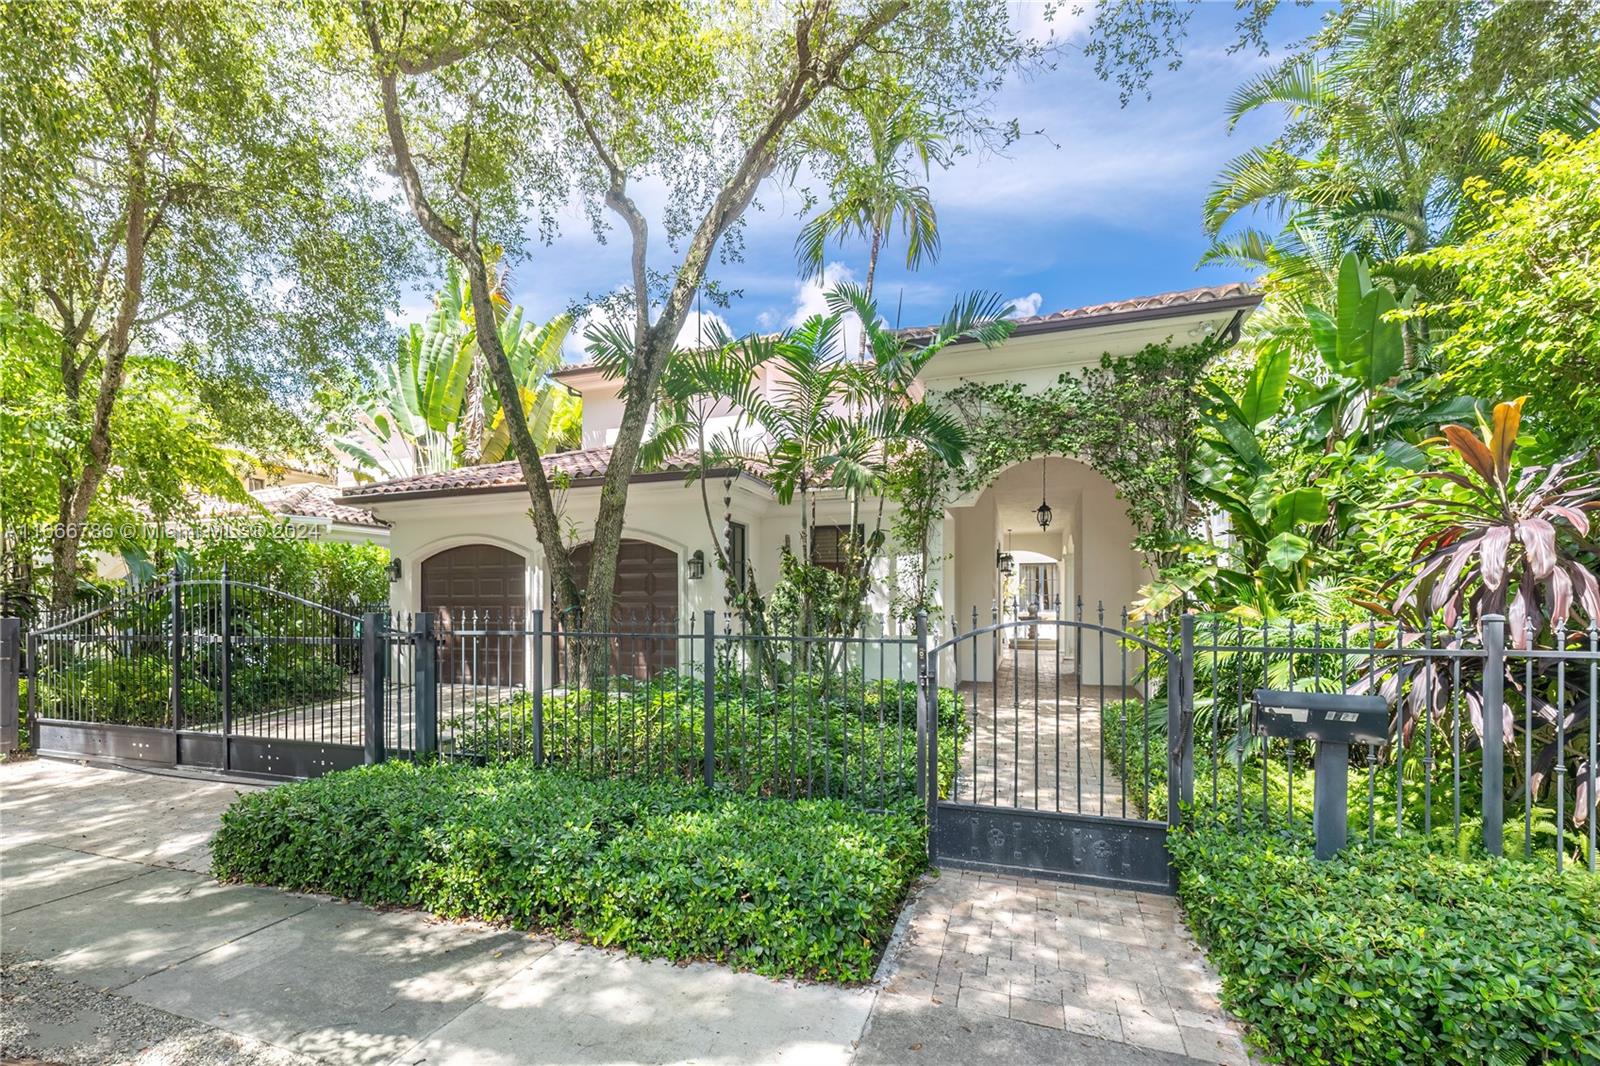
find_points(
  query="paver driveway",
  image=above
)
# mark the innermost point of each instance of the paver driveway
(102, 877)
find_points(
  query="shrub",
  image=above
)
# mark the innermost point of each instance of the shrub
(131, 689)
(284, 675)
(1393, 953)
(844, 738)
(808, 888)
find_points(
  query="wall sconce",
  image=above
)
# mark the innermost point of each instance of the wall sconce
(394, 569)
(697, 565)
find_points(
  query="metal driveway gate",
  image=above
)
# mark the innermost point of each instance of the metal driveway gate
(1054, 750)
(213, 673)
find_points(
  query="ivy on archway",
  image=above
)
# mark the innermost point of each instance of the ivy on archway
(1131, 418)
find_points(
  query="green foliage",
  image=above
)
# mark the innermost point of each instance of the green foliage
(128, 689)
(806, 888)
(1132, 419)
(1393, 953)
(818, 735)
(436, 407)
(1526, 299)
(1390, 109)
(868, 156)
(340, 575)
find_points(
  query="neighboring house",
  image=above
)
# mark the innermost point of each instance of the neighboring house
(319, 507)
(464, 541)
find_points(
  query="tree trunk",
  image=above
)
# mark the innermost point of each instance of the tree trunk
(76, 494)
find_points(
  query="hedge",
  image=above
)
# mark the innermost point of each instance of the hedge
(844, 739)
(1394, 953)
(809, 888)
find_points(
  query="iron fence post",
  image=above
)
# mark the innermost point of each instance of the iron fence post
(374, 661)
(538, 686)
(930, 702)
(227, 671)
(10, 675)
(1180, 724)
(30, 670)
(177, 650)
(425, 681)
(922, 705)
(710, 669)
(1494, 754)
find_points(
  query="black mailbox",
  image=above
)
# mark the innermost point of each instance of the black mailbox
(1322, 716)
(1335, 721)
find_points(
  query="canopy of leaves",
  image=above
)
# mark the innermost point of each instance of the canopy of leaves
(1526, 305)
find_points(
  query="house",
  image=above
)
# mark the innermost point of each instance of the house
(464, 543)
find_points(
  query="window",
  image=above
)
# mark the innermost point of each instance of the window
(828, 545)
(254, 483)
(738, 546)
(1037, 585)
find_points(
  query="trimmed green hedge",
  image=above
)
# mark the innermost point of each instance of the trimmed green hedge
(809, 888)
(1393, 953)
(842, 737)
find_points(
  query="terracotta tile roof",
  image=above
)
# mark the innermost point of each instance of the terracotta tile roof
(1233, 293)
(1176, 301)
(586, 463)
(314, 501)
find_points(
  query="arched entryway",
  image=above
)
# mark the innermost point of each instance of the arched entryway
(644, 606)
(477, 586)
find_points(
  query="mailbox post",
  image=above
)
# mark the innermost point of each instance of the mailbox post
(1334, 721)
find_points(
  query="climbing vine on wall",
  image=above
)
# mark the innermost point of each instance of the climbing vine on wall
(1132, 418)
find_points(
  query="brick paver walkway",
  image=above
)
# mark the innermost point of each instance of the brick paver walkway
(1034, 741)
(1115, 967)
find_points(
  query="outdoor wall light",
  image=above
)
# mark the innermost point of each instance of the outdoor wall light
(697, 565)
(1043, 512)
(394, 569)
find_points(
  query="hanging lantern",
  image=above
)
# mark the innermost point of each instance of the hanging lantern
(1043, 512)
(1004, 561)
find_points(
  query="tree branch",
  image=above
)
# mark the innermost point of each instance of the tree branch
(547, 524)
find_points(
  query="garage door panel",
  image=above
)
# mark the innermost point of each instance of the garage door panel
(477, 584)
(644, 601)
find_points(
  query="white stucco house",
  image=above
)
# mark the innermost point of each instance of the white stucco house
(463, 539)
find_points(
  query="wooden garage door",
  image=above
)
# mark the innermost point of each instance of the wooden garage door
(644, 601)
(477, 586)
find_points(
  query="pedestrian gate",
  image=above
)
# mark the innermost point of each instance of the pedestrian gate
(1061, 753)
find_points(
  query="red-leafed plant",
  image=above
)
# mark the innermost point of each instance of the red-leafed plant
(1512, 545)
(1500, 540)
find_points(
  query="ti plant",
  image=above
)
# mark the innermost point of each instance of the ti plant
(1501, 540)
(1508, 545)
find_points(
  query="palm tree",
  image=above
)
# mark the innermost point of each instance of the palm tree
(1391, 144)
(870, 159)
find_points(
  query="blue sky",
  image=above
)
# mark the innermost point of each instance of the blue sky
(1104, 204)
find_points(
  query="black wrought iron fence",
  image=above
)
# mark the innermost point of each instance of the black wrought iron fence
(701, 698)
(231, 674)
(1445, 774)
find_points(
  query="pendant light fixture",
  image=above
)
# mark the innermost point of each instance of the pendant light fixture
(1043, 512)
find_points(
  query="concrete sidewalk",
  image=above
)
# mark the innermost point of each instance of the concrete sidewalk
(102, 879)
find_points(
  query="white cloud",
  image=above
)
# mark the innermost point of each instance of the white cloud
(692, 335)
(576, 347)
(1025, 306)
(811, 298)
(1049, 22)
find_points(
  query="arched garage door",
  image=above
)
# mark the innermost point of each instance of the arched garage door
(477, 586)
(644, 601)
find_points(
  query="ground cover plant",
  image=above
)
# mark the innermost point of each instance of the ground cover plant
(836, 735)
(808, 888)
(1392, 952)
